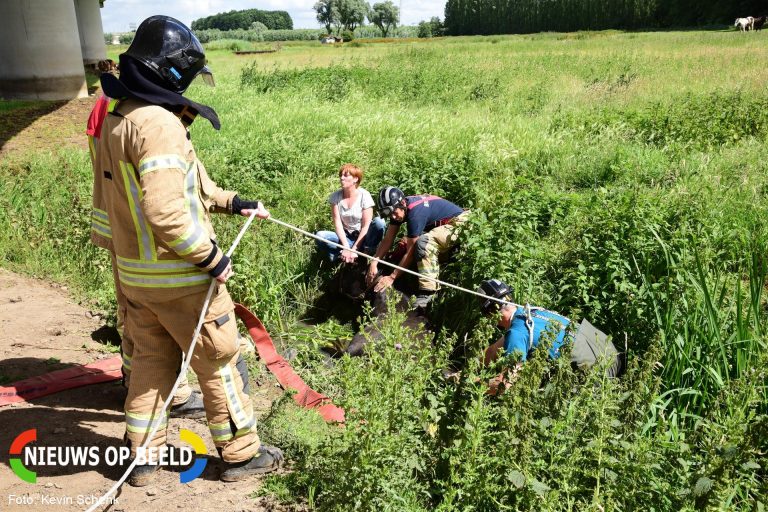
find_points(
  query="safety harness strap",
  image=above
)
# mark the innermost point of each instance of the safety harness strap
(530, 312)
(422, 199)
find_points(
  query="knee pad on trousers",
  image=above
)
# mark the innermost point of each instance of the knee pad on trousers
(242, 369)
(421, 246)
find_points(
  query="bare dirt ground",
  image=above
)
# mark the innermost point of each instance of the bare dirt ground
(42, 329)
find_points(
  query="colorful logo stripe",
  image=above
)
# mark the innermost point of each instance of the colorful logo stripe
(197, 468)
(17, 446)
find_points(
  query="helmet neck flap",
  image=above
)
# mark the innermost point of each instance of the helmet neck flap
(137, 81)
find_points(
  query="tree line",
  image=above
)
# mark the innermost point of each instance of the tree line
(343, 16)
(469, 17)
(245, 20)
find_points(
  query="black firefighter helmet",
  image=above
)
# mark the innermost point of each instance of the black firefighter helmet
(388, 199)
(171, 51)
(496, 289)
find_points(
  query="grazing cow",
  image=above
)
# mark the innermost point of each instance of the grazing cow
(757, 23)
(744, 24)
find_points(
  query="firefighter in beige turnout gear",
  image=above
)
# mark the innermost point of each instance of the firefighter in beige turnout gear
(158, 200)
(186, 402)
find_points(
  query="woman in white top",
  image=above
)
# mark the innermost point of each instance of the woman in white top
(354, 224)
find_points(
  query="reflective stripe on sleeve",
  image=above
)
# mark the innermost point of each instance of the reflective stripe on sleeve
(100, 215)
(196, 234)
(154, 163)
(190, 240)
(126, 361)
(101, 230)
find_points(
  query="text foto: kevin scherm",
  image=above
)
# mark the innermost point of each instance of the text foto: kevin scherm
(53, 500)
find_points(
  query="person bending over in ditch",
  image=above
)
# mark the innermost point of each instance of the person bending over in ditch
(524, 327)
(354, 225)
(431, 223)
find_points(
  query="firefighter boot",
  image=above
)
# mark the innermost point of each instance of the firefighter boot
(143, 474)
(192, 409)
(268, 459)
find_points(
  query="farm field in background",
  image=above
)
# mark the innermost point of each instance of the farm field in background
(619, 177)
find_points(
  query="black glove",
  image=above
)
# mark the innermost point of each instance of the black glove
(238, 205)
(220, 266)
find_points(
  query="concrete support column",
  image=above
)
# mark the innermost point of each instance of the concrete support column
(91, 31)
(40, 55)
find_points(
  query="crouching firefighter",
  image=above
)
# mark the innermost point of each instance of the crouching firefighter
(524, 327)
(158, 199)
(431, 223)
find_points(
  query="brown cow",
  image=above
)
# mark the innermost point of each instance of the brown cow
(757, 23)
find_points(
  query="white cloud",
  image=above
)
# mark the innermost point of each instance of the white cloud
(117, 15)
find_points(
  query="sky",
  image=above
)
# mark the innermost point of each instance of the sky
(117, 15)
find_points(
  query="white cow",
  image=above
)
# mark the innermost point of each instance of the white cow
(745, 24)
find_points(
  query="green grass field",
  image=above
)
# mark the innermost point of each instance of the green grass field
(620, 177)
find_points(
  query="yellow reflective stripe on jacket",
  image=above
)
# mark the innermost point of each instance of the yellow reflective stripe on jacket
(163, 280)
(240, 416)
(143, 423)
(91, 146)
(192, 195)
(144, 237)
(179, 267)
(101, 230)
(154, 163)
(159, 273)
(100, 223)
(112, 105)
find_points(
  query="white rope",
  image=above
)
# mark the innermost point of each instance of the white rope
(368, 256)
(185, 365)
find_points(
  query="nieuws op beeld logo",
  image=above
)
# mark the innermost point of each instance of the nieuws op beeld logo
(24, 456)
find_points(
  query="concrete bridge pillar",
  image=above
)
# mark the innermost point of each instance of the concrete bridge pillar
(91, 31)
(40, 55)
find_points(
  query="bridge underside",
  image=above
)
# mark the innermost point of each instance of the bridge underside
(44, 45)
